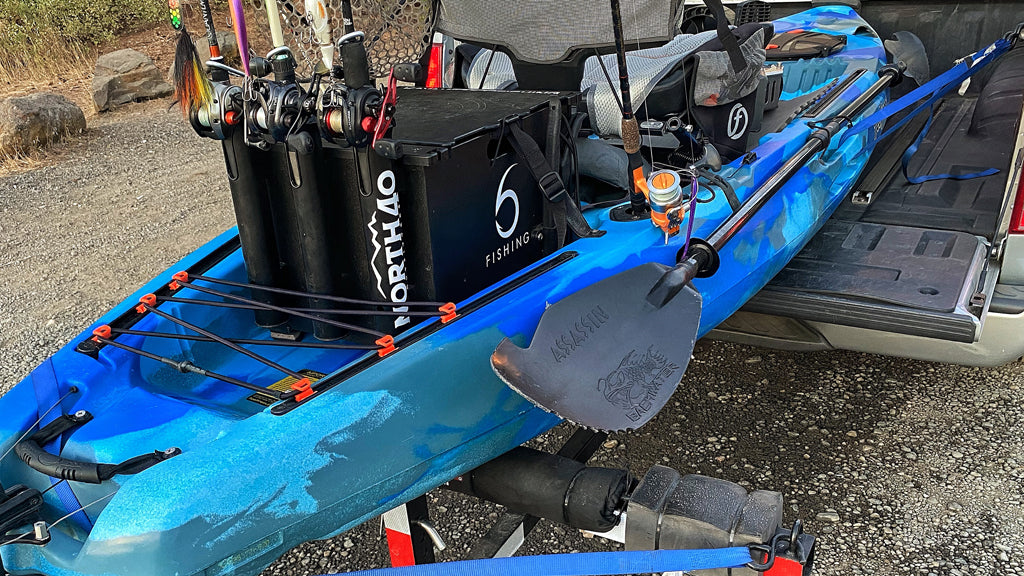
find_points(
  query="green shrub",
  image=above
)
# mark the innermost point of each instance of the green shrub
(29, 26)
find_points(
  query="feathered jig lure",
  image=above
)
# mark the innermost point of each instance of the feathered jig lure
(192, 89)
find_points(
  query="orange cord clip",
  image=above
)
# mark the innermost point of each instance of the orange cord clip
(178, 277)
(304, 389)
(387, 345)
(101, 332)
(448, 312)
(147, 300)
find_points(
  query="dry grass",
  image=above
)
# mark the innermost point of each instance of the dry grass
(34, 159)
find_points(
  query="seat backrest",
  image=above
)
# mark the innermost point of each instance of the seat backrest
(548, 40)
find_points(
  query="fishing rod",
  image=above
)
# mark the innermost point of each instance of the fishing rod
(630, 129)
(217, 74)
(702, 259)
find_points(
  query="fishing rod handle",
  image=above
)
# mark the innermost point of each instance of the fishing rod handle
(630, 135)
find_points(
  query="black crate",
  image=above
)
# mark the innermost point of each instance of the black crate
(473, 212)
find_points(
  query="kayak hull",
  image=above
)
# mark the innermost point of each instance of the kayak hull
(250, 483)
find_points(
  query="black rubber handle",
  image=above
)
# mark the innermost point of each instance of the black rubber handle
(56, 466)
(31, 452)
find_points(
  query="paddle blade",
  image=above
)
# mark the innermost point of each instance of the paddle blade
(604, 357)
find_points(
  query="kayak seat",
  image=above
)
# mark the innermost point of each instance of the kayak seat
(661, 77)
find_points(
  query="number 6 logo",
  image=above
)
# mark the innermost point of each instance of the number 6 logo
(502, 196)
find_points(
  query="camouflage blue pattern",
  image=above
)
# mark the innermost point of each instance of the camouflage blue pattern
(249, 485)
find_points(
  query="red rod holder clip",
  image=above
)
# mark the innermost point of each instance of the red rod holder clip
(101, 332)
(447, 312)
(178, 277)
(304, 389)
(147, 300)
(387, 345)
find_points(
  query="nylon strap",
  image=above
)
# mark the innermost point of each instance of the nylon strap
(580, 564)
(930, 91)
(912, 149)
(47, 392)
(725, 36)
(550, 184)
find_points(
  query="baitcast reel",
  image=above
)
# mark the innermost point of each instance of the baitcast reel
(215, 118)
(274, 108)
(355, 111)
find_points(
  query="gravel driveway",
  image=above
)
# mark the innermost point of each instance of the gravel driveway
(900, 467)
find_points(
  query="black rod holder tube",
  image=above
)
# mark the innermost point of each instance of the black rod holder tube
(251, 201)
(305, 219)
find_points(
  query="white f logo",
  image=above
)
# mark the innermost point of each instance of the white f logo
(737, 121)
(502, 196)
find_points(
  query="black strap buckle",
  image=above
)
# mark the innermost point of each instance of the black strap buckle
(552, 186)
(765, 550)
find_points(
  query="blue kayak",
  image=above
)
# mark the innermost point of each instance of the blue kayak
(234, 481)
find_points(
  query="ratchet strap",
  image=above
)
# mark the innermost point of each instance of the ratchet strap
(579, 564)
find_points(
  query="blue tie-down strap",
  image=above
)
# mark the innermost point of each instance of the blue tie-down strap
(930, 91)
(48, 394)
(912, 149)
(579, 564)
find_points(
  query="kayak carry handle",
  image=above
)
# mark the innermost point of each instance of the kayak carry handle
(31, 452)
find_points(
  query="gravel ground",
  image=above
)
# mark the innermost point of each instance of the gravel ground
(900, 467)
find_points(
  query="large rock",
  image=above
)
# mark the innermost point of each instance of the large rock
(36, 121)
(126, 76)
(228, 48)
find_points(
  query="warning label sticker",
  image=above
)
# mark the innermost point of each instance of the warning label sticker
(284, 385)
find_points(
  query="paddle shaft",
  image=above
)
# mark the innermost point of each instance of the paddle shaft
(816, 142)
(700, 259)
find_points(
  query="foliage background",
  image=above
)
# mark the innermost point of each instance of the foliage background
(36, 30)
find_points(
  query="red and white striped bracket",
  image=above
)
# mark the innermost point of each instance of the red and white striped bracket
(399, 532)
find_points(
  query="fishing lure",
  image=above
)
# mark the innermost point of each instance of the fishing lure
(320, 24)
(192, 89)
(241, 33)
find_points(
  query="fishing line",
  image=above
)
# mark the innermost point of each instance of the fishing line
(73, 390)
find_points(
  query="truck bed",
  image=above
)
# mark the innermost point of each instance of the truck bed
(912, 259)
